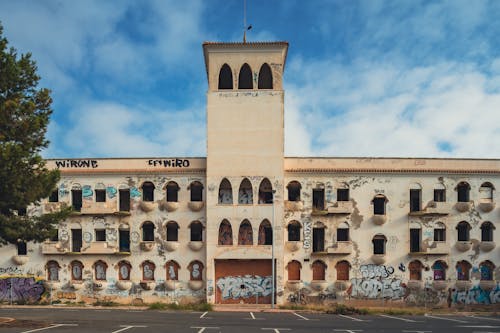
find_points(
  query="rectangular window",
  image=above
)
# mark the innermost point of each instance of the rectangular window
(124, 200)
(22, 249)
(124, 240)
(319, 199)
(379, 206)
(318, 239)
(76, 200)
(100, 195)
(439, 235)
(415, 200)
(54, 196)
(379, 246)
(76, 238)
(440, 195)
(100, 235)
(414, 240)
(343, 194)
(342, 235)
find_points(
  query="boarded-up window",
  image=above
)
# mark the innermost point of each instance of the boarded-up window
(225, 233)
(439, 269)
(319, 269)
(172, 270)
(463, 270)
(293, 268)
(76, 270)
(148, 271)
(486, 192)
(225, 192)
(245, 234)
(53, 270)
(100, 268)
(265, 233)
(196, 271)
(415, 268)
(124, 269)
(486, 268)
(342, 268)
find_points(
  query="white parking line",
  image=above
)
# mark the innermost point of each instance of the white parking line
(348, 331)
(125, 327)
(417, 331)
(276, 330)
(48, 327)
(478, 326)
(204, 328)
(352, 318)
(251, 314)
(398, 318)
(449, 319)
(204, 314)
(300, 316)
(484, 318)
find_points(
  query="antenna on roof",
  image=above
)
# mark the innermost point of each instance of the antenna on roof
(245, 27)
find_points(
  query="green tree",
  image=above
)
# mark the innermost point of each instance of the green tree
(24, 179)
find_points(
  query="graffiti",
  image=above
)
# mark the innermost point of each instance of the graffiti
(87, 192)
(323, 296)
(297, 298)
(66, 294)
(111, 191)
(134, 236)
(307, 234)
(20, 290)
(245, 196)
(244, 286)
(76, 164)
(427, 296)
(176, 163)
(111, 235)
(402, 267)
(63, 191)
(87, 237)
(476, 295)
(375, 288)
(371, 271)
(10, 270)
(135, 193)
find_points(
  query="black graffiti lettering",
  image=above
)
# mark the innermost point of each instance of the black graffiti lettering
(175, 163)
(77, 164)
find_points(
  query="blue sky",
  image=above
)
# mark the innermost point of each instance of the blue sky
(363, 78)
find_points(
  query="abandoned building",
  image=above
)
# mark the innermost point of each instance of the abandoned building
(403, 230)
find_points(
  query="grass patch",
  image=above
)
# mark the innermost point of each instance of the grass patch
(346, 310)
(175, 306)
(105, 303)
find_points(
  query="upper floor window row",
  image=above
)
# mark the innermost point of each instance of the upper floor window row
(245, 192)
(246, 78)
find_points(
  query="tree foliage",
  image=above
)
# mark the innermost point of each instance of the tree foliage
(24, 179)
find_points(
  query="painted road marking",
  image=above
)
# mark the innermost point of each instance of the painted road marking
(417, 331)
(204, 314)
(348, 331)
(48, 328)
(398, 318)
(251, 314)
(352, 318)
(484, 318)
(276, 330)
(204, 328)
(478, 326)
(304, 318)
(127, 327)
(449, 319)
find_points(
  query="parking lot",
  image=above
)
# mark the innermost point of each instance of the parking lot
(52, 320)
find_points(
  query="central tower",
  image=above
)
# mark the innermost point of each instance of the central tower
(245, 169)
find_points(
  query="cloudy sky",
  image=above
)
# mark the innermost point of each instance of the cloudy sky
(363, 78)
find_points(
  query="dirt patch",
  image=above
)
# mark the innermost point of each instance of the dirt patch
(22, 323)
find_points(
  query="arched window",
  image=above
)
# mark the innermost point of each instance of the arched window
(486, 192)
(379, 244)
(225, 192)
(439, 268)
(439, 232)
(487, 232)
(124, 270)
(100, 268)
(148, 231)
(76, 270)
(172, 269)
(196, 191)
(245, 234)
(265, 77)
(172, 192)
(379, 204)
(463, 190)
(318, 270)
(463, 270)
(463, 231)
(343, 232)
(245, 193)
(196, 231)
(415, 268)
(225, 233)
(148, 190)
(148, 271)
(294, 188)
(265, 233)
(265, 192)
(294, 231)
(172, 231)
(343, 268)
(195, 271)
(319, 237)
(245, 80)
(486, 268)
(225, 77)
(53, 270)
(294, 268)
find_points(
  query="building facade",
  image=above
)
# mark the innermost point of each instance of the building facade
(371, 230)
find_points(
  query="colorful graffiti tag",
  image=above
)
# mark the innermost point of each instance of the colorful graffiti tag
(375, 282)
(20, 290)
(476, 295)
(244, 286)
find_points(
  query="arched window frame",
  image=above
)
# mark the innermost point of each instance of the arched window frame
(148, 231)
(487, 231)
(379, 204)
(463, 192)
(294, 228)
(52, 270)
(343, 268)
(100, 270)
(225, 233)
(343, 232)
(172, 229)
(245, 77)
(124, 270)
(245, 233)
(245, 192)
(294, 188)
(265, 192)
(148, 270)
(439, 270)
(196, 191)
(294, 268)
(379, 248)
(76, 268)
(225, 78)
(415, 268)
(265, 77)
(463, 270)
(225, 192)
(196, 270)
(172, 270)
(148, 191)
(318, 270)
(172, 191)
(196, 231)
(486, 268)
(265, 233)
(463, 231)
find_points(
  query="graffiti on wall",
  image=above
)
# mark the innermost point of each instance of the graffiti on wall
(307, 234)
(376, 282)
(10, 270)
(371, 271)
(20, 290)
(87, 192)
(111, 191)
(244, 286)
(476, 295)
(76, 164)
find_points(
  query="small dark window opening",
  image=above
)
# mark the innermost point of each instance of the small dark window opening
(22, 248)
(245, 234)
(124, 200)
(172, 232)
(172, 192)
(379, 245)
(124, 240)
(439, 235)
(415, 236)
(148, 189)
(54, 196)
(463, 231)
(265, 233)
(319, 199)
(100, 235)
(294, 191)
(54, 235)
(318, 239)
(76, 237)
(76, 200)
(379, 206)
(440, 195)
(100, 195)
(245, 80)
(148, 229)
(415, 199)
(343, 194)
(265, 77)
(265, 192)
(196, 232)
(487, 232)
(342, 235)
(22, 211)
(225, 77)
(196, 191)
(463, 190)
(294, 232)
